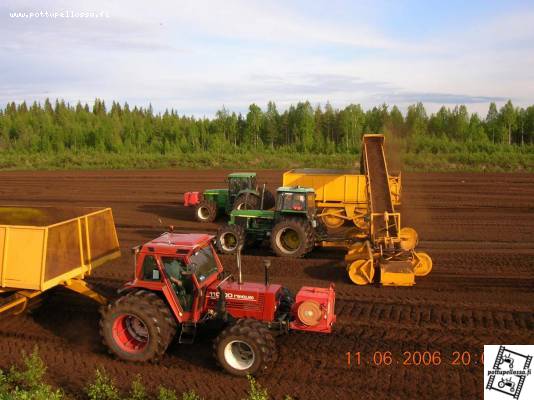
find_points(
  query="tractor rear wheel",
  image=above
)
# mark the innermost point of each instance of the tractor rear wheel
(268, 200)
(206, 211)
(229, 237)
(292, 237)
(245, 348)
(137, 327)
(247, 201)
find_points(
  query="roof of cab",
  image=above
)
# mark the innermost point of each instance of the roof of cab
(242, 174)
(185, 241)
(295, 189)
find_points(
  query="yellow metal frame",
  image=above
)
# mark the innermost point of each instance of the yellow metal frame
(21, 298)
(387, 238)
(27, 278)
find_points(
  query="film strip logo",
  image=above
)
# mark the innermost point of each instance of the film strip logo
(509, 372)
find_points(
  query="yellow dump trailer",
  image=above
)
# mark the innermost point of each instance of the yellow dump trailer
(43, 247)
(341, 195)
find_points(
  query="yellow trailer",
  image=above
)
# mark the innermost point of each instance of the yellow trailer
(44, 247)
(341, 195)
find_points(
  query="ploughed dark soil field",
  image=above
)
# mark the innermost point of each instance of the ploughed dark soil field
(478, 228)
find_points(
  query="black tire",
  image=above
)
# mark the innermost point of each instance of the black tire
(229, 237)
(246, 347)
(292, 237)
(206, 211)
(268, 200)
(247, 201)
(144, 322)
(321, 231)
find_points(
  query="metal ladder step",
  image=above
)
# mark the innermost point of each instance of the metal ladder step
(187, 333)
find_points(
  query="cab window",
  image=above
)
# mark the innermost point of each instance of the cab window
(150, 269)
(292, 201)
(202, 263)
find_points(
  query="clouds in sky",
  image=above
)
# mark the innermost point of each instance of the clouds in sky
(196, 56)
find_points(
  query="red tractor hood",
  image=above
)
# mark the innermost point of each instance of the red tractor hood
(246, 300)
(312, 310)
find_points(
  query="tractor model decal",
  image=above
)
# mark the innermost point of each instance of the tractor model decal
(233, 296)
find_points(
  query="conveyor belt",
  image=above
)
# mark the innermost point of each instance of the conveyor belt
(378, 184)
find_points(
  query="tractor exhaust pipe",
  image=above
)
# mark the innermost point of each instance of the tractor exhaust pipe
(239, 276)
(266, 266)
(262, 196)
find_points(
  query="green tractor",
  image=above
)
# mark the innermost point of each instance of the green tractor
(292, 226)
(242, 193)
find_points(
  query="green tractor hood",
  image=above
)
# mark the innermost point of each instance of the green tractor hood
(268, 214)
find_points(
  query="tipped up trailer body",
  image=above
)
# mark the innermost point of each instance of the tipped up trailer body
(45, 247)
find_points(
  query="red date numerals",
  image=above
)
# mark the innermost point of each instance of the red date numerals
(425, 358)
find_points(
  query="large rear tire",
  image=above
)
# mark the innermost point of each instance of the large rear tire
(247, 201)
(245, 348)
(268, 200)
(229, 237)
(292, 237)
(206, 211)
(137, 327)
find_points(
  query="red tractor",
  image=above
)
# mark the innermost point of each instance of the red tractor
(179, 284)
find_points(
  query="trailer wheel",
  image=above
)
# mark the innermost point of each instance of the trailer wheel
(245, 348)
(292, 237)
(361, 271)
(206, 211)
(333, 217)
(423, 264)
(247, 201)
(137, 327)
(229, 237)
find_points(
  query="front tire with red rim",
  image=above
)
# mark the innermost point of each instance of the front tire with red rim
(137, 327)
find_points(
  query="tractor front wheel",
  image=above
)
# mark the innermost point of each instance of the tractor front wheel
(245, 348)
(137, 327)
(229, 237)
(292, 237)
(206, 211)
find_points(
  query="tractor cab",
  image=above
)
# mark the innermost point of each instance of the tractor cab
(239, 181)
(181, 267)
(295, 200)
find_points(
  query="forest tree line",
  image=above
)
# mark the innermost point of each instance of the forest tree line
(58, 126)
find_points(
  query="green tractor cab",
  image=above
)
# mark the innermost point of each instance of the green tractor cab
(242, 193)
(292, 226)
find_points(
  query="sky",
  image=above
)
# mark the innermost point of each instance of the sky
(198, 56)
